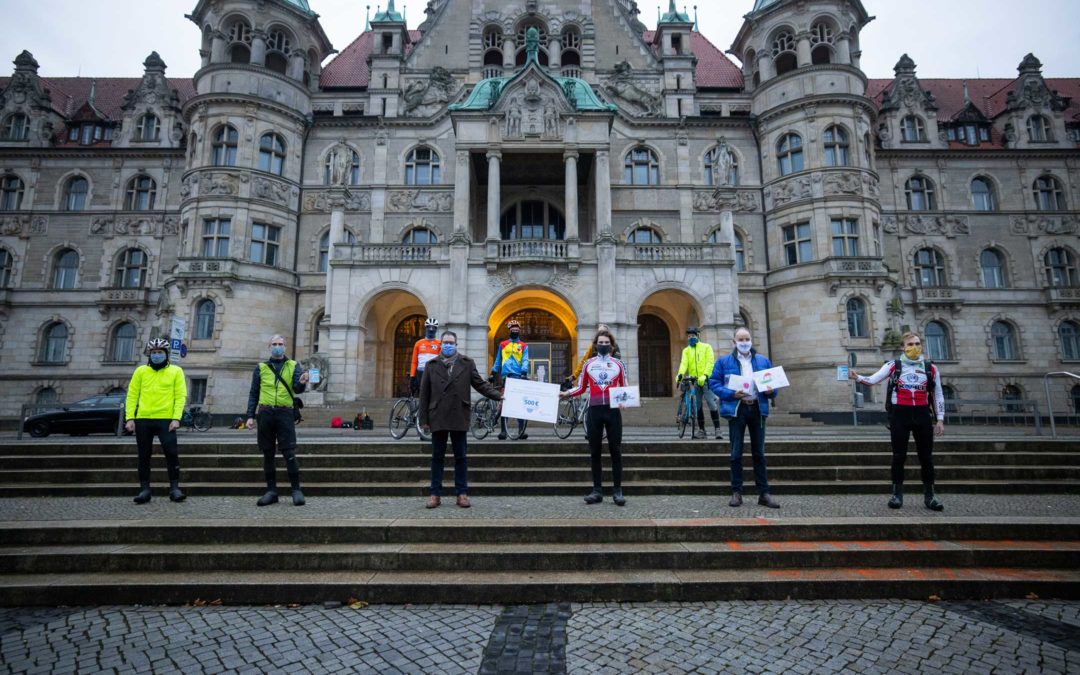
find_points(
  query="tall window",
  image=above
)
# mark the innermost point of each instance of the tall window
(65, 269)
(324, 248)
(354, 170)
(912, 130)
(920, 194)
(1039, 130)
(1003, 338)
(149, 129)
(571, 54)
(75, 193)
(845, 237)
(532, 220)
(130, 269)
(141, 194)
(856, 318)
(836, 146)
(422, 167)
(239, 36)
(205, 314)
(821, 39)
(272, 153)
(7, 264)
(797, 247)
(278, 46)
(420, 236)
(938, 345)
(993, 268)
(46, 396)
(1074, 396)
(982, 195)
(493, 56)
(642, 167)
(929, 268)
(789, 154)
(1049, 195)
(11, 193)
(265, 240)
(783, 52)
(215, 238)
(740, 253)
(197, 391)
(713, 167)
(54, 343)
(1060, 268)
(226, 140)
(644, 235)
(1069, 334)
(16, 127)
(122, 343)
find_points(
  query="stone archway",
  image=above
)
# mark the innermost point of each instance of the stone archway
(654, 356)
(666, 312)
(387, 321)
(549, 327)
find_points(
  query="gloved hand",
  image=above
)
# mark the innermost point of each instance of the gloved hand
(701, 381)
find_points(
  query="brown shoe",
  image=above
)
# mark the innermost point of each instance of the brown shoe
(434, 501)
(463, 501)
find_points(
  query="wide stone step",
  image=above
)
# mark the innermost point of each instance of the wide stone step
(485, 587)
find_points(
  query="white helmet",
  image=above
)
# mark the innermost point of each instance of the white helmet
(431, 322)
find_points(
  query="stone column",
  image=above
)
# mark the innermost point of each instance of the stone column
(571, 196)
(603, 193)
(727, 233)
(217, 47)
(767, 67)
(803, 50)
(337, 235)
(204, 57)
(462, 186)
(258, 47)
(843, 50)
(296, 65)
(509, 53)
(554, 53)
(494, 193)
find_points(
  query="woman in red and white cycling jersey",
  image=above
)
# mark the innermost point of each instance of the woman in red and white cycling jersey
(916, 399)
(600, 374)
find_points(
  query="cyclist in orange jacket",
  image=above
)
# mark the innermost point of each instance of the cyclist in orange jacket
(423, 351)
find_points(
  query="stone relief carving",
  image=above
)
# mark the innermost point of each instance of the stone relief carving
(501, 280)
(533, 110)
(23, 226)
(948, 226)
(847, 183)
(218, 184)
(623, 86)
(1033, 225)
(726, 200)
(273, 190)
(424, 97)
(565, 281)
(109, 227)
(321, 202)
(792, 190)
(419, 200)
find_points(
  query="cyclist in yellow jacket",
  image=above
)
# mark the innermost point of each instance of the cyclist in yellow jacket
(697, 362)
(155, 403)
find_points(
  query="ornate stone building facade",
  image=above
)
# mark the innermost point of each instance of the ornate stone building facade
(554, 161)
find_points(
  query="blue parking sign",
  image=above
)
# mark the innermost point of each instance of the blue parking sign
(175, 345)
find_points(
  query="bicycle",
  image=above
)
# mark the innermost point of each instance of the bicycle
(486, 416)
(571, 413)
(195, 419)
(688, 407)
(405, 415)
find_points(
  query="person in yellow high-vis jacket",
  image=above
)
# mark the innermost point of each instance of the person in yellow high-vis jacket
(697, 362)
(155, 403)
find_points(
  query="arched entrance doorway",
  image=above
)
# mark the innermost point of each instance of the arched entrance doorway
(391, 321)
(406, 334)
(654, 356)
(548, 326)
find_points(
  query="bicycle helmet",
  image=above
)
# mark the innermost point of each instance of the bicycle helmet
(157, 343)
(431, 322)
(513, 323)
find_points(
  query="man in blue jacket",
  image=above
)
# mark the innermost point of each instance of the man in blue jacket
(746, 408)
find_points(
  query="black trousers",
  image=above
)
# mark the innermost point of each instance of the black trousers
(459, 440)
(277, 433)
(145, 431)
(918, 422)
(601, 418)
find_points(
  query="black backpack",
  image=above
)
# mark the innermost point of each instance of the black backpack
(894, 382)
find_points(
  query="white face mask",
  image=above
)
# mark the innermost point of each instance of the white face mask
(744, 346)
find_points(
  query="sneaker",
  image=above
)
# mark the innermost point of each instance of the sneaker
(594, 497)
(719, 435)
(144, 495)
(502, 437)
(618, 498)
(267, 499)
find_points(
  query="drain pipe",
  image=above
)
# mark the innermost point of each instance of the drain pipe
(296, 238)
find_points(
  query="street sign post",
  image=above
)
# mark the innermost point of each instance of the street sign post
(176, 338)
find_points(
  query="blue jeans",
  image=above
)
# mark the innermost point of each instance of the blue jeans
(748, 417)
(459, 441)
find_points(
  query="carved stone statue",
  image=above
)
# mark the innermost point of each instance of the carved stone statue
(622, 86)
(724, 162)
(341, 165)
(437, 90)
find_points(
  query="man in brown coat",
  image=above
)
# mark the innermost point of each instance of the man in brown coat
(444, 412)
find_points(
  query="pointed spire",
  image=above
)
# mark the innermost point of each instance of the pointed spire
(26, 61)
(967, 94)
(367, 19)
(154, 64)
(696, 25)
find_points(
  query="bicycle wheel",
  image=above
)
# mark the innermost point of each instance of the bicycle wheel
(583, 417)
(481, 413)
(400, 419)
(681, 417)
(567, 419)
(201, 421)
(692, 416)
(515, 427)
(420, 432)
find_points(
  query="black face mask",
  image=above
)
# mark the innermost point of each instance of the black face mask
(603, 350)
(430, 333)
(515, 334)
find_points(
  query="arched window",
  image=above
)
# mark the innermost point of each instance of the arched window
(949, 394)
(912, 130)
(1049, 195)
(272, 153)
(54, 340)
(740, 248)
(226, 140)
(920, 194)
(783, 51)
(46, 396)
(993, 268)
(422, 167)
(130, 269)
(7, 265)
(929, 268)
(493, 54)
(122, 343)
(789, 154)
(644, 235)
(856, 318)
(532, 220)
(1060, 268)
(354, 170)
(75, 193)
(205, 315)
(836, 146)
(1010, 395)
(821, 40)
(141, 194)
(324, 248)
(1039, 129)
(1003, 339)
(1069, 335)
(11, 193)
(16, 127)
(278, 46)
(65, 269)
(982, 194)
(239, 36)
(420, 236)
(519, 43)
(938, 344)
(148, 128)
(571, 52)
(714, 165)
(642, 167)
(315, 332)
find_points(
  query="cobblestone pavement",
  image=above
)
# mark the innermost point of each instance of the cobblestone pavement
(567, 507)
(733, 637)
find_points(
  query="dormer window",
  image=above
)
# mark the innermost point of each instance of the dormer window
(149, 129)
(1039, 130)
(16, 127)
(912, 130)
(88, 134)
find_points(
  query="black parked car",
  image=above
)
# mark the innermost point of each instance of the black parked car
(94, 415)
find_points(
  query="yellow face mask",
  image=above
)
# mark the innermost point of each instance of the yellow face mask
(913, 353)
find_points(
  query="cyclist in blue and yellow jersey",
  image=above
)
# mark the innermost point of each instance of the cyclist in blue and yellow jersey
(697, 362)
(512, 361)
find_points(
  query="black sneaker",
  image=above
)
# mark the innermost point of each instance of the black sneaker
(502, 437)
(594, 497)
(144, 495)
(298, 498)
(267, 499)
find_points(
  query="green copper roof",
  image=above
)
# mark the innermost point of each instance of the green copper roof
(300, 4)
(579, 94)
(762, 4)
(389, 15)
(675, 16)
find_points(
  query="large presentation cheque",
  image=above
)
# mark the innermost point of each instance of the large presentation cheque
(528, 400)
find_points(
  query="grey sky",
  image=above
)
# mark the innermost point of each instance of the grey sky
(951, 38)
